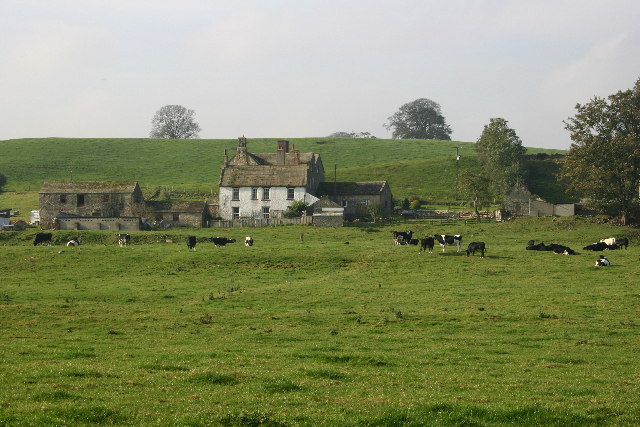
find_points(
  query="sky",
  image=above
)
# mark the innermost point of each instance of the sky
(308, 68)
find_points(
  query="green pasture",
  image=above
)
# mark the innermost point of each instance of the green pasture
(337, 328)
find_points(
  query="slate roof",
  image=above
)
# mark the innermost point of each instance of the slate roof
(350, 188)
(264, 176)
(89, 187)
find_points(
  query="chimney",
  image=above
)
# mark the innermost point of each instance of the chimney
(283, 149)
(226, 157)
(283, 145)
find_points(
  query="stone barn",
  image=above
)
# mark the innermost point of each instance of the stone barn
(89, 199)
(177, 214)
(359, 198)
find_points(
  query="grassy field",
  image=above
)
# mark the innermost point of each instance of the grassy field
(414, 168)
(318, 331)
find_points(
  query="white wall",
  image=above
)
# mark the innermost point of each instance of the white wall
(253, 208)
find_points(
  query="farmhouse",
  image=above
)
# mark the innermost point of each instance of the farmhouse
(89, 199)
(359, 198)
(519, 202)
(264, 185)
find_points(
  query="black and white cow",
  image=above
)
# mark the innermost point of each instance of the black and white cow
(73, 242)
(402, 237)
(614, 243)
(447, 240)
(123, 239)
(191, 242)
(553, 247)
(42, 238)
(602, 261)
(532, 246)
(221, 241)
(476, 246)
(248, 241)
(426, 244)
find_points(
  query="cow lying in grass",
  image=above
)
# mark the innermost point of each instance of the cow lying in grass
(555, 248)
(602, 261)
(221, 241)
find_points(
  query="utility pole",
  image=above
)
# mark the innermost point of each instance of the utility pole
(457, 161)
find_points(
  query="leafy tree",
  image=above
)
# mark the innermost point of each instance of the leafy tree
(406, 204)
(419, 119)
(376, 211)
(296, 209)
(501, 153)
(174, 122)
(415, 204)
(603, 163)
(475, 187)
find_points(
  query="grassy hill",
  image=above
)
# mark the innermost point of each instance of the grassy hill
(422, 168)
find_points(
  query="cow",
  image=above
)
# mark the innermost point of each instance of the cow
(248, 241)
(614, 243)
(42, 238)
(402, 237)
(476, 246)
(191, 242)
(532, 246)
(414, 242)
(446, 240)
(426, 244)
(599, 246)
(73, 242)
(123, 239)
(553, 247)
(602, 261)
(221, 241)
(609, 241)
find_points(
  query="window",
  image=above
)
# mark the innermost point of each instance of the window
(365, 202)
(235, 193)
(344, 203)
(80, 200)
(254, 193)
(265, 193)
(63, 198)
(176, 217)
(265, 212)
(290, 193)
(235, 213)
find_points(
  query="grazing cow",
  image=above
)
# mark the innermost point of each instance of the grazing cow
(73, 242)
(42, 238)
(123, 239)
(402, 237)
(602, 261)
(248, 241)
(191, 242)
(476, 246)
(221, 241)
(614, 243)
(446, 240)
(599, 246)
(426, 244)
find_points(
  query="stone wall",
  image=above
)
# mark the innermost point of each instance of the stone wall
(116, 224)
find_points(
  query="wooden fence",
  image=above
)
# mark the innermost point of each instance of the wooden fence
(263, 222)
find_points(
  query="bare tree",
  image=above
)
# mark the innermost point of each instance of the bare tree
(174, 122)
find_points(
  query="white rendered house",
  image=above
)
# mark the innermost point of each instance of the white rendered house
(264, 185)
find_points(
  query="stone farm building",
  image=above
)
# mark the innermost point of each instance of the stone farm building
(111, 206)
(264, 185)
(358, 197)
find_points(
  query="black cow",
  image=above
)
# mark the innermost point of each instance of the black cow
(402, 237)
(42, 238)
(123, 239)
(599, 246)
(623, 241)
(476, 246)
(191, 242)
(414, 242)
(248, 241)
(426, 244)
(221, 241)
(446, 240)
(531, 246)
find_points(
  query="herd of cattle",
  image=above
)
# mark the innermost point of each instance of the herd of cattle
(402, 238)
(427, 243)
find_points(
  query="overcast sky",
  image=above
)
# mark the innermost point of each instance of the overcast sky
(296, 68)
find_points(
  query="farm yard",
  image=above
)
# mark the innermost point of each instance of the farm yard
(339, 328)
